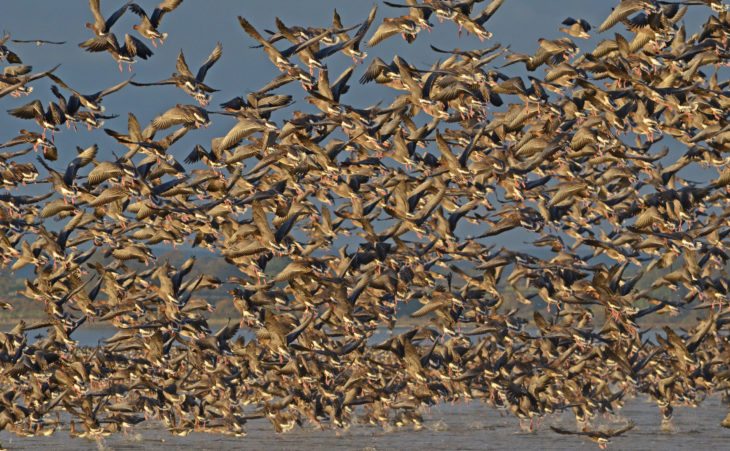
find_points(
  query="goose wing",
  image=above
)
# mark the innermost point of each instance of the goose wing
(135, 47)
(620, 12)
(28, 111)
(214, 56)
(239, 131)
(115, 16)
(386, 29)
(99, 20)
(163, 8)
(99, 95)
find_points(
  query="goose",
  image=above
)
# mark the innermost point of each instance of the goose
(148, 26)
(184, 79)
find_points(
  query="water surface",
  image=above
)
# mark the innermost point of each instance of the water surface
(464, 426)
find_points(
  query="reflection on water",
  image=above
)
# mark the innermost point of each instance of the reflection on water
(460, 426)
(467, 426)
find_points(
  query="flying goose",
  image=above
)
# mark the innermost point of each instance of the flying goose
(184, 79)
(600, 437)
(47, 120)
(148, 24)
(187, 115)
(127, 53)
(6, 53)
(391, 26)
(91, 101)
(102, 27)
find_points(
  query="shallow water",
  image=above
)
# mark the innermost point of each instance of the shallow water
(471, 426)
(462, 426)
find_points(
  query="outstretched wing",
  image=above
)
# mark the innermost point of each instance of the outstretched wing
(564, 431)
(384, 31)
(96, 11)
(196, 155)
(62, 84)
(214, 56)
(623, 430)
(167, 119)
(163, 8)
(622, 11)
(135, 47)
(111, 89)
(100, 43)
(488, 12)
(182, 66)
(115, 16)
(37, 41)
(28, 111)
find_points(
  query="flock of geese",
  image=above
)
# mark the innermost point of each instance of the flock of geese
(370, 209)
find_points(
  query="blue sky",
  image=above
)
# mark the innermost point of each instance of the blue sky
(197, 25)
